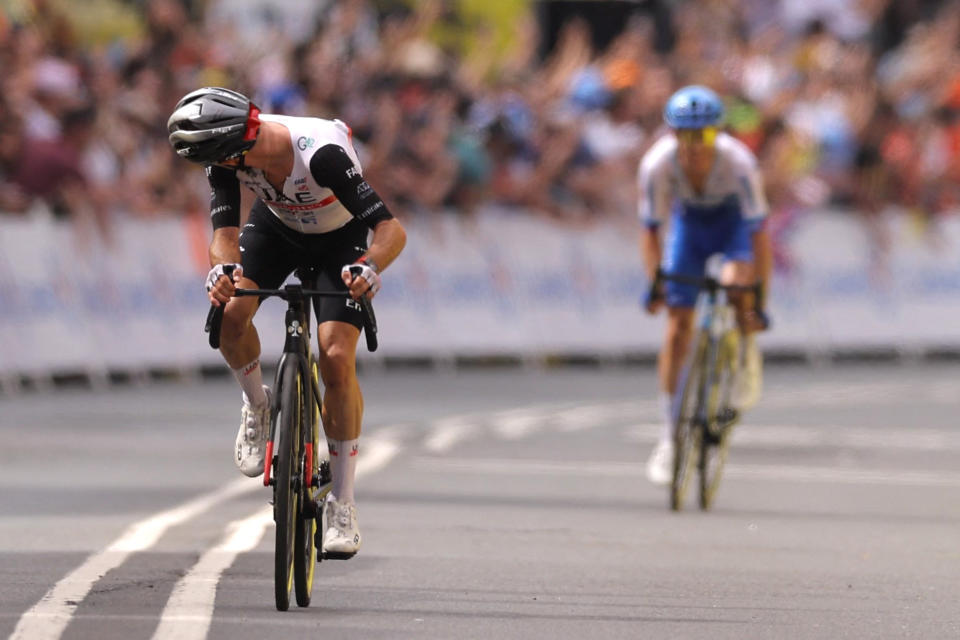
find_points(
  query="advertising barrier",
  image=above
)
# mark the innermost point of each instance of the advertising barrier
(502, 283)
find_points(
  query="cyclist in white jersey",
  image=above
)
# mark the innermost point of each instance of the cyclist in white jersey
(706, 186)
(313, 209)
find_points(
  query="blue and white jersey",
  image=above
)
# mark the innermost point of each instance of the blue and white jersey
(734, 184)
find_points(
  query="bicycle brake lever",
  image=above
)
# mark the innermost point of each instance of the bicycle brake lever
(212, 327)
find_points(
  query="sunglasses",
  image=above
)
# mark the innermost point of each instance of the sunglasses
(706, 136)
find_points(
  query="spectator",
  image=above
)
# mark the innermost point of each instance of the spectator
(846, 103)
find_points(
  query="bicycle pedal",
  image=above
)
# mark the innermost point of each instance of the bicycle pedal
(336, 555)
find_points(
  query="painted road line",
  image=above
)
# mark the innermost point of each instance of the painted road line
(797, 474)
(187, 614)
(448, 432)
(758, 436)
(189, 610)
(47, 619)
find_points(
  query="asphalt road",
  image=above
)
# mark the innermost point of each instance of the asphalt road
(504, 504)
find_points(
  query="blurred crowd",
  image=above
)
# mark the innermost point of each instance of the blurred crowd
(848, 103)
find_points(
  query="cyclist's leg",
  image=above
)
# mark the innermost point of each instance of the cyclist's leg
(342, 414)
(681, 256)
(739, 269)
(340, 321)
(267, 260)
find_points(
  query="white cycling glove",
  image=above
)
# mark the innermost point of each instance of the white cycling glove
(218, 270)
(365, 271)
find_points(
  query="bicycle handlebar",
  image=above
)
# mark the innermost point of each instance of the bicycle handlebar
(713, 285)
(705, 282)
(215, 315)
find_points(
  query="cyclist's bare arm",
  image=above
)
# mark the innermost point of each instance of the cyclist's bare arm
(389, 239)
(652, 252)
(763, 256)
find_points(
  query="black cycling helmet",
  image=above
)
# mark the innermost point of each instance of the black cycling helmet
(213, 124)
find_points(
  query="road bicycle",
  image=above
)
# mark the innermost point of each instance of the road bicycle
(702, 411)
(292, 462)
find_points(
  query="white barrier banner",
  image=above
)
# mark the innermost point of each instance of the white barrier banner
(500, 283)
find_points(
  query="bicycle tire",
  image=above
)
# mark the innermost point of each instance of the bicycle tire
(285, 498)
(304, 547)
(686, 434)
(713, 453)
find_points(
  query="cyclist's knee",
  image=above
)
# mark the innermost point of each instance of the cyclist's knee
(680, 322)
(236, 322)
(337, 365)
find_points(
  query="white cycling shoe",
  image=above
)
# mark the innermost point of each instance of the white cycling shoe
(254, 425)
(660, 463)
(342, 537)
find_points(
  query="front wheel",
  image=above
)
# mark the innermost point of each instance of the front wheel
(687, 433)
(286, 482)
(713, 456)
(305, 550)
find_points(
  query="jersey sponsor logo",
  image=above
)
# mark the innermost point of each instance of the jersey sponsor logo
(294, 208)
(300, 181)
(304, 143)
(370, 210)
(364, 190)
(353, 172)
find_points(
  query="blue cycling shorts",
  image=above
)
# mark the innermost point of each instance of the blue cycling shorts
(694, 237)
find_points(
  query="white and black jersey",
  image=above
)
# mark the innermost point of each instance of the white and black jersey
(321, 218)
(324, 191)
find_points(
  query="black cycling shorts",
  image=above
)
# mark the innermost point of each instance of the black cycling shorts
(271, 251)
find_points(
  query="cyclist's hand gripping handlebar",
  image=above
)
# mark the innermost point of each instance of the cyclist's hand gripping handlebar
(369, 318)
(654, 294)
(759, 300)
(215, 315)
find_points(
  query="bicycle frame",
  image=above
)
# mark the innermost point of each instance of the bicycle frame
(701, 411)
(716, 319)
(296, 345)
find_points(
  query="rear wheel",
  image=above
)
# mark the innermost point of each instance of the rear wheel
(305, 550)
(713, 455)
(687, 434)
(286, 501)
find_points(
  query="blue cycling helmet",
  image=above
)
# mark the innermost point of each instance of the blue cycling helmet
(693, 107)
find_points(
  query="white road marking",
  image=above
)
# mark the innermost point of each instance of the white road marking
(187, 614)
(831, 475)
(189, 610)
(516, 425)
(447, 432)
(587, 417)
(47, 619)
(749, 435)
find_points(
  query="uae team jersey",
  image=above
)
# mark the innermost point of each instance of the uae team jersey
(324, 191)
(734, 184)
